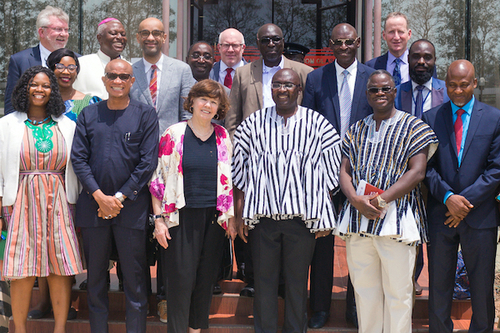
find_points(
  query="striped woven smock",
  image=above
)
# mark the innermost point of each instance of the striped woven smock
(381, 158)
(41, 237)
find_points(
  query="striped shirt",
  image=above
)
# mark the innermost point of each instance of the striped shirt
(287, 171)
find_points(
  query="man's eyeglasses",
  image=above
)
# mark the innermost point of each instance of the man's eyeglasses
(287, 85)
(58, 30)
(156, 33)
(205, 56)
(226, 46)
(375, 90)
(61, 67)
(341, 41)
(114, 76)
(267, 40)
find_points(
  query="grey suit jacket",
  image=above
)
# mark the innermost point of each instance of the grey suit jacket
(175, 83)
(246, 92)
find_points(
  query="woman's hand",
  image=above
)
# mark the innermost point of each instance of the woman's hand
(161, 233)
(363, 205)
(323, 233)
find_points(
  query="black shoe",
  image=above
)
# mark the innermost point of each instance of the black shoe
(72, 313)
(38, 314)
(351, 316)
(217, 289)
(318, 319)
(247, 291)
(281, 291)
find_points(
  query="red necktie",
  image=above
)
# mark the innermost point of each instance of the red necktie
(153, 86)
(459, 129)
(228, 80)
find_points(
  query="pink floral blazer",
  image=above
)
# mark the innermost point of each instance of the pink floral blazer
(167, 183)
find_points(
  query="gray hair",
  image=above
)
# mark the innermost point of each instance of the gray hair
(43, 19)
(102, 27)
(242, 37)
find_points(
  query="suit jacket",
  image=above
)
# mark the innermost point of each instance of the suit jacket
(18, 63)
(246, 92)
(322, 94)
(175, 83)
(214, 72)
(404, 96)
(478, 177)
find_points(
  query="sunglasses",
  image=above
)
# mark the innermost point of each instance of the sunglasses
(375, 90)
(267, 40)
(346, 41)
(61, 67)
(156, 33)
(114, 76)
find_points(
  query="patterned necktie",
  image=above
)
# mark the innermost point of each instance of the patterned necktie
(345, 105)
(419, 107)
(458, 130)
(228, 80)
(153, 86)
(396, 74)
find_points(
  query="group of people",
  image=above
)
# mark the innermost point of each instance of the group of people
(272, 154)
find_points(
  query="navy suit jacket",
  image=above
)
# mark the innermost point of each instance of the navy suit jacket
(404, 96)
(478, 177)
(322, 94)
(18, 63)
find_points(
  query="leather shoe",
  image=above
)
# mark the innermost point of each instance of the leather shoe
(318, 319)
(247, 291)
(418, 289)
(217, 289)
(72, 313)
(351, 316)
(38, 314)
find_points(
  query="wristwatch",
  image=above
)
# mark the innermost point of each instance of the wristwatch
(381, 202)
(119, 196)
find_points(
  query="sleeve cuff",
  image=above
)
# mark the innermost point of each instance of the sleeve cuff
(447, 195)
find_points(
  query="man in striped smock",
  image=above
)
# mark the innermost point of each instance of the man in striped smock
(286, 163)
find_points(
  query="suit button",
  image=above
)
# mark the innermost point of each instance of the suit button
(135, 192)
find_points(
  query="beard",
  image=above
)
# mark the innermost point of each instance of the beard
(421, 77)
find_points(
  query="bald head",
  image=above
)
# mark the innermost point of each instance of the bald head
(271, 44)
(461, 82)
(118, 80)
(151, 36)
(344, 43)
(151, 21)
(343, 28)
(119, 64)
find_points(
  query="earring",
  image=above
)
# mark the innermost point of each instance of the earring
(191, 109)
(216, 117)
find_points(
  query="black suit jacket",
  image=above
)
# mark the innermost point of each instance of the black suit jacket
(478, 177)
(322, 94)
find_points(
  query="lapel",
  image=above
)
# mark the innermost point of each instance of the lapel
(216, 70)
(142, 81)
(475, 119)
(331, 75)
(35, 53)
(256, 81)
(447, 115)
(381, 62)
(437, 94)
(406, 97)
(359, 90)
(167, 76)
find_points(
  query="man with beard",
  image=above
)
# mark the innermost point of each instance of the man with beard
(160, 81)
(201, 60)
(112, 39)
(422, 92)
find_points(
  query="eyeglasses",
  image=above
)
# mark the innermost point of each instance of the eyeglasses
(226, 46)
(114, 76)
(58, 30)
(156, 33)
(341, 41)
(61, 67)
(267, 40)
(205, 56)
(287, 85)
(375, 90)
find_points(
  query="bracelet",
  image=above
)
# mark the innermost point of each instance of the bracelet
(155, 217)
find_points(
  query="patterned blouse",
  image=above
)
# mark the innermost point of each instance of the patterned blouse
(381, 159)
(75, 106)
(167, 183)
(287, 171)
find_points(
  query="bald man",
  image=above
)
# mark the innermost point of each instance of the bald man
(463, 179)
(115, 152)
(231, 47)
(161, 81)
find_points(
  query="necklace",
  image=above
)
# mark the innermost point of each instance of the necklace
(198, 134)
(36, 122)
(42, 135)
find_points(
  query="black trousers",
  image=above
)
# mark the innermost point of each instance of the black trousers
(190, 265)
(479, 252)
(290, 244)
(131, 246)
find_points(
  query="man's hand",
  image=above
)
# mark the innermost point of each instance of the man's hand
(363, 205)
(161, 233)
(109, 206)
(232, 229)
(452, 221)
(323, 233)
(458, 207)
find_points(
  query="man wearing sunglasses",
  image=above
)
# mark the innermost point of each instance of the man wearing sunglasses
(160, 81)
(114, 154)
(112, 39)
(337, 91)
(251, 88)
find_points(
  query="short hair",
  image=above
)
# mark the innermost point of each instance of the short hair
(380, 72)
(43, 19)
(102, 27)
(397, 14)
(20, 98)
(423, 40)
(56, 56)
(242, 37)
(200, 42)
(212, 89)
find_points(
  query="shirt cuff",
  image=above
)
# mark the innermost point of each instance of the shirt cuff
(447, 195)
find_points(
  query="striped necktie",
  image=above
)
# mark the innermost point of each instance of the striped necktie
(153, 86)
(345, 105)
(396, 74)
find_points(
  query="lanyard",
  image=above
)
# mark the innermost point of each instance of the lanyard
(415, 101)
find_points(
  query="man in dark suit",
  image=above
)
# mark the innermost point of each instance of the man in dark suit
(231, 47)
(114, 154)
(463, 178)
(337, 91)
(52, 28)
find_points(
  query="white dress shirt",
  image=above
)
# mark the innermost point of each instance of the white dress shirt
(44, 54)
(267, 77)
(426, 96)
(222, 70)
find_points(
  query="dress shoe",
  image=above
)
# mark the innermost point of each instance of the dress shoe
(418, 289)
(351, 316)
(318, 319)
(247, 291)
(38, 314)
(217, 289)
(72, 313)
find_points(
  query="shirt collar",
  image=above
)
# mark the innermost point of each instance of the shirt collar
(147, 65)
(223, 65)
(427, 84)
(467, 107)
(350, 69)
(44, 54)
(266, 70)
(403, 58)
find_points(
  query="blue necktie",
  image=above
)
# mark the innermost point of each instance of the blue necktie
(396, 74)
(419, 107)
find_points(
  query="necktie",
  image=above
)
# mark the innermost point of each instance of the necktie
(153, 86)
(458, 130)
(396, 74)
(345, 105)
(419, 106)
(228, 80)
